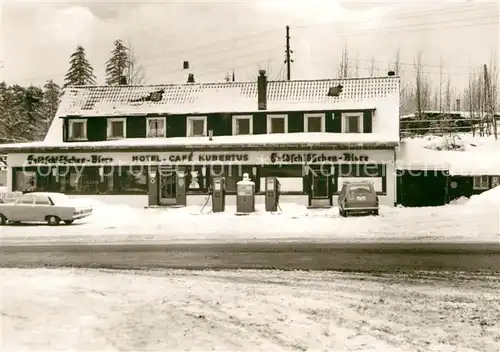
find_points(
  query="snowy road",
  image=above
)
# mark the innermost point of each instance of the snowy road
(88, 310)
(352, 256)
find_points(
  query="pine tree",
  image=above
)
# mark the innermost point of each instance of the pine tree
(51, 93)
(80, 72)
(117, 66)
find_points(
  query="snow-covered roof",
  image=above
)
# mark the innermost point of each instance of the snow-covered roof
(193, 98)
(354, 140)
(478, 157)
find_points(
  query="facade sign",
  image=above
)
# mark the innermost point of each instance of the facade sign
(198, 158)
(310, 158)
(303, 157)
(68, 159)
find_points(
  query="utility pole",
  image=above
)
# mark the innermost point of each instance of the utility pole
(289, 52)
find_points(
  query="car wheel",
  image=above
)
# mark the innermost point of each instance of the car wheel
(375, 212)
(3, 220)
(53, 220)
(68, 222)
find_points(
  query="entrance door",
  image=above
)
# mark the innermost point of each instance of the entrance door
(167, 187)
(320, 187)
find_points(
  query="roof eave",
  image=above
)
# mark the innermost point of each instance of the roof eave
(183, 147)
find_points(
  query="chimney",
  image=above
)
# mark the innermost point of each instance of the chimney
(190, 78)
(262, 90)
(457, 107)
(123, 81)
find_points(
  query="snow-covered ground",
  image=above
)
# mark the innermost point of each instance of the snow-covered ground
(90, 310)
(461, 154)
(477, 219)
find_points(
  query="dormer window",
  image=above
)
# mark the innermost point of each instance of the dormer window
(352, 122)
(196, 126)
(117, 128)
(77, 129)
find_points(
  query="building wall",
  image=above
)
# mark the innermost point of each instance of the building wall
(221, 123)
(52, 172)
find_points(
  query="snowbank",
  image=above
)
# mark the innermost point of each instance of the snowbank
(488, 198)
(461, 154)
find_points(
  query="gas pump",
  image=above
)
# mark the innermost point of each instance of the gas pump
(272, 194)
(218, 194)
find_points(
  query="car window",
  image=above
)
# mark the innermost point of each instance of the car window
(42, 200)
(59, 199)
(27, 199)
(360, 189)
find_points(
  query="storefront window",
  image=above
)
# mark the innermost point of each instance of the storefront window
(290, 177)
(25, 181)
(196, 179)
(129, 179)
(232, 174)
(374, 173)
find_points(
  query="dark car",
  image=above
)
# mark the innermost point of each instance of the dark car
(358, 198)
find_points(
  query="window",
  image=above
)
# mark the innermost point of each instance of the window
(77, 130)
(290, 177)
(156, 127)
(42, 200)
(27, 199)
(196, 126)
(374, 173)
(480, 182)
(232, 174)
(277, 124)
(352, 123)
(117, 128)
(196, 179)
(314, 122)
(242, 125)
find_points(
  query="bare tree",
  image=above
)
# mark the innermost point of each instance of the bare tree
(440, 94)
(344, 65)
(373, 67)
(356, 67)
(422, 87)
(134, 72)
(493, 92)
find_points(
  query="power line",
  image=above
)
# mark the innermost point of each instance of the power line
(261, 33)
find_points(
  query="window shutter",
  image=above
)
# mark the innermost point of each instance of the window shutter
(367, 121)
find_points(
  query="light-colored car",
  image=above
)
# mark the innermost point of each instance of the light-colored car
(358, 198)
(43, 207)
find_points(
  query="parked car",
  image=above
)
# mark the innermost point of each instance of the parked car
(43, 207)
(358, 198)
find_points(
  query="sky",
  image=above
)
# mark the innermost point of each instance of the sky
(217, 37)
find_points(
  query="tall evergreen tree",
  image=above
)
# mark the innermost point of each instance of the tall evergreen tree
(80, 71)
(21, 111)
(51, 93)
(118, 65)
